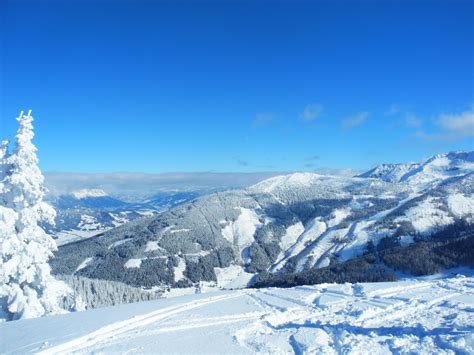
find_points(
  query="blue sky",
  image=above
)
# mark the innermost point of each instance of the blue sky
(158, 86)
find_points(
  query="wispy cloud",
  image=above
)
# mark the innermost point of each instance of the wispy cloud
(392, 110)
(311, 162)
(249, 164)
(430, 137)
(460, 125)
(313, 158)
(262, 119)
(354, 121)
(412, 120)
(311, 112)
(451, 127)
(243, 162)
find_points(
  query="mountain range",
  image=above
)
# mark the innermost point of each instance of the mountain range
(408, 218)
(88, 204)
(87, 212)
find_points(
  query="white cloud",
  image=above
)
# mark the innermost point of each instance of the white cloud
(354, 121)
(413, 120)
(311, 112)
(460, 125)
(451, 127)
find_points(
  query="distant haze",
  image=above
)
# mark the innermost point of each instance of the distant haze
(132, 186)
(139, 185)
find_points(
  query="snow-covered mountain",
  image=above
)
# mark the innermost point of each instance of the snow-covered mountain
(390, 172)
(87, 212)
(291, 224)
(434, 169)
(87, 199)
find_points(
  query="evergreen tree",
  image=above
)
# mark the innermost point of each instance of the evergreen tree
(27, 289)
(3, 164)
(7, 216)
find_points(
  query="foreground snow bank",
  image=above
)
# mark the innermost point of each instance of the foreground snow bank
(427, 316)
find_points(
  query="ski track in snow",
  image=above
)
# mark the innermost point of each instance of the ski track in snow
(420, 316)
(115, 329)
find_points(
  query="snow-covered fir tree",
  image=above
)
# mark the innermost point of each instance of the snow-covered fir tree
(27, 288)
(3, 157)
(3, 150)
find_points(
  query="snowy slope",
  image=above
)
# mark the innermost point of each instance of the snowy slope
(415, 316)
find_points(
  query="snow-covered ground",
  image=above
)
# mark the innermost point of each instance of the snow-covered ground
(70, 236)
(416, 316)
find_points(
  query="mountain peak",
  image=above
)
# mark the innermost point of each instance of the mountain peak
(286, 181)
(389, 172)
(437, 167)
